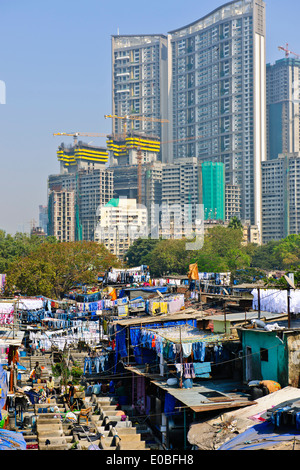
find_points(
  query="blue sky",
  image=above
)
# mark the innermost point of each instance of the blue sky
(55, 60)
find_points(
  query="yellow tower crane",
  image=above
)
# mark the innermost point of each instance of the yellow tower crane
(75, 135)
(133, 118)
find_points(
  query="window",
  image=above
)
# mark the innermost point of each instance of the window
(264, 354)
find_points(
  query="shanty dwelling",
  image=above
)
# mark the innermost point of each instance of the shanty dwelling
(177, 373)
(271, 352)
(270, 423)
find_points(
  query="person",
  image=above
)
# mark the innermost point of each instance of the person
(97, 388)
(120, 389)
(37, 371)
(111, 387)
(50, 386)
(121, 394)
(270, 386)
(71, 395)
(32, 376)
(260, 388)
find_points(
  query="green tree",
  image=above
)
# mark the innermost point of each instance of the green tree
(18, 245)
(169, 257)
(140, 252)
(266, 256)
(288, 251)
(235, 223)
(222, 250)
(53, 269)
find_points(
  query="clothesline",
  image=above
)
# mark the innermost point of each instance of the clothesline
(275, 301)
(185, 334)
(84, 331)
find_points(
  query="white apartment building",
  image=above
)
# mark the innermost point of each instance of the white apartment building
(232, 202)
(62, 215)
(180, 196)
(120, 223)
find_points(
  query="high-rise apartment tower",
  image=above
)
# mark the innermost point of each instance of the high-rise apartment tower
(217, 102)
(215, 92)
(283, 120)
(139, 84)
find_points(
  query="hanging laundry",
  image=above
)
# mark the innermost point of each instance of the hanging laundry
(186, 349)
(202, 369)
(188, 371)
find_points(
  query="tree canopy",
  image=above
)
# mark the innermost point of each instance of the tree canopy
(53, 269)
(140, 252)
(169, 257)
(235, 223)
(222, 251)
(18, 245)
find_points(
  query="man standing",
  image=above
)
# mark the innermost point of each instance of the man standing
(38, 371)
(71, 395)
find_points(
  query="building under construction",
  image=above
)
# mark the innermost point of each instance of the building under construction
(84, 173)
(136, 169)
(81, 156)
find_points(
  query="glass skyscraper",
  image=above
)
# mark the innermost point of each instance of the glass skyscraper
(218, 95)
(215, 92)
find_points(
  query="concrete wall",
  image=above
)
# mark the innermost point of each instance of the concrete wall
(275, 367)
(293, 343)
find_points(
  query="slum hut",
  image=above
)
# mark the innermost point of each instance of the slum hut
(172, 365)
(10, 368)
(239, 429)
(271, 352)
(172, 409)
(227, 322)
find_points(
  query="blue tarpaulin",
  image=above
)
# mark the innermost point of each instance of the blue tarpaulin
(148, 289)
(10, 440)
(170, 403)
(121, 341)
(260, 436)
(135, 338)
(3, 387)
(120, 348)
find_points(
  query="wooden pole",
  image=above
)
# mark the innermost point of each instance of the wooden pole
(181, 372)
(288, 306)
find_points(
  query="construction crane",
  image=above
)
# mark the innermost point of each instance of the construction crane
(287, 51)
(139, 153)
(134, 118)
(76, 134)
(181, 140)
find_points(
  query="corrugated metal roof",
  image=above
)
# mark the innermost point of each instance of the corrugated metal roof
(241, 316)
(182, 315)
(11, 337)
(201, 435)
(213, 395)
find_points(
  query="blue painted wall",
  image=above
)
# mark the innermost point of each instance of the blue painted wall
(276, 368)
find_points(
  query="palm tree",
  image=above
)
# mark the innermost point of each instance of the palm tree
(235, 223)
